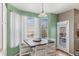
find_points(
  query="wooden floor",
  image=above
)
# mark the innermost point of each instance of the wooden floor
(58, 53)
(61, 53)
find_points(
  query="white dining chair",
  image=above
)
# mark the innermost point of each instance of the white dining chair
(40, 50)
(25, 50)
(50, 49)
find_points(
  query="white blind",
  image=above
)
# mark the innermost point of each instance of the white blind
(30, 25)
(36, 28)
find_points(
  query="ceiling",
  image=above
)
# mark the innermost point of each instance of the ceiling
(55, 8)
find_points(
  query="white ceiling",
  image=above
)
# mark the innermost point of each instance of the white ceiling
(55, 8)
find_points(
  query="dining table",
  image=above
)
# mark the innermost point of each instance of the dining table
(32, 43)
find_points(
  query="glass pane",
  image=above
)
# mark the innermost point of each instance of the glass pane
(30, 27)
(62, 36)
(44, 27)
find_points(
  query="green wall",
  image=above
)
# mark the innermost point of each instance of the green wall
(52, 21)
(52, 26)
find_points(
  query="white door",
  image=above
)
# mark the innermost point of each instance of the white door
(63, 35)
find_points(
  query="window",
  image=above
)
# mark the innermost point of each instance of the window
(31, 27)
(44, 27)
(35, 28)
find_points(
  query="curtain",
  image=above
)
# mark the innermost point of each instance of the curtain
(0, 26)
(15, 29)
(23, 28)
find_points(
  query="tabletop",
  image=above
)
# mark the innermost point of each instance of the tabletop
(31, 43)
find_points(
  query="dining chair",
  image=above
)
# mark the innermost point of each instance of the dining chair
(40, 50)
(50, 49)
(25, 50)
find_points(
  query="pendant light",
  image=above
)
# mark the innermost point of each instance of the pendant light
(42, 14)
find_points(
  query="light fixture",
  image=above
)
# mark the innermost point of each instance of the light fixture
(42, 14)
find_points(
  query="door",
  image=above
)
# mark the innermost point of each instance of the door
(63, 36)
